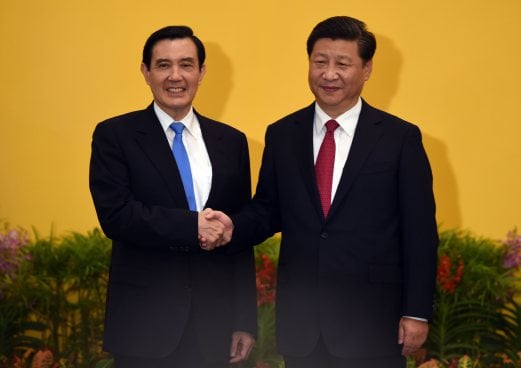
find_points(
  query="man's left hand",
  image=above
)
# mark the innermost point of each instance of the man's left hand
(242, 343)
(412, 334)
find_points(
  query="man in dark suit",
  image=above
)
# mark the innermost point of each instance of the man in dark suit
(350, 189)
(171, 303)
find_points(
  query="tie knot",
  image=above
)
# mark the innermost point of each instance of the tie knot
(177, 127)
(331, 125)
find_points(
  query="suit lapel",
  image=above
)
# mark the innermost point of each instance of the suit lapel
(365, 138)
(214, 142)
(151, 138)
(303, 146)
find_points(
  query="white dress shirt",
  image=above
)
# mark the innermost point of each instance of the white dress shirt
(200, 164)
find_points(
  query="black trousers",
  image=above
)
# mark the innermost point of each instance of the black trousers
(186, 355)
(320, 357)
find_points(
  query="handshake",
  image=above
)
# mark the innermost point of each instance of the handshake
(215, 229)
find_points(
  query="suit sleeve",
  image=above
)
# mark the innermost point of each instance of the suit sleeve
(418, 227)
(244, 275)
(122, 216)
(260, 219)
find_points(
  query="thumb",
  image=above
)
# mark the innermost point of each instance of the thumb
(214, 215)
(234, 346)
(209, 214)
(401, 333)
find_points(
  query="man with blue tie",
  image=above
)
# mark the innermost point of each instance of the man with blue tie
(154, 173)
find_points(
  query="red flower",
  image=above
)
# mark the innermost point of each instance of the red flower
(266, 280)
(448, 275)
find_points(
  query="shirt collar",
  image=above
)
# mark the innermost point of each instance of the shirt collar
(347, 121)
(189, 121)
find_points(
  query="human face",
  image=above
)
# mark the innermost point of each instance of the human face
(174, 75)
(337, 74)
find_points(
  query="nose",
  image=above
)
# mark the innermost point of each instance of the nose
(330, 73)
(174, 73)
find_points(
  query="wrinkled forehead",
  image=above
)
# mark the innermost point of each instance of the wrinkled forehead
(175, 50)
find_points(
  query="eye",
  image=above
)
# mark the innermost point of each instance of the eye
(187, 65)
(163, 66)
(319, 62)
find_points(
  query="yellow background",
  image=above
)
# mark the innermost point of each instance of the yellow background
(451, 66)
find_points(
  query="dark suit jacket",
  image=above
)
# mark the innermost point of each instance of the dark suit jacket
(159, 275)
(349, 277)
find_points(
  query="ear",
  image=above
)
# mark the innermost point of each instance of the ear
(145, 72)
(368, 68)
(202, 74)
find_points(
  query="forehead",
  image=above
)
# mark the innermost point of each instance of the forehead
(179, 48)
(335, 48)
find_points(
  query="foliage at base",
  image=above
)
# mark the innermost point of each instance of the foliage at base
(52, 300)
(52, 297)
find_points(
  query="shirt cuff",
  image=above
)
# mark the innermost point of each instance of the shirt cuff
(417, 318)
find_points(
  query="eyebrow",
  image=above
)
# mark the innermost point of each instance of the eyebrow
(325, 54)
(162, 61)
(188, 58)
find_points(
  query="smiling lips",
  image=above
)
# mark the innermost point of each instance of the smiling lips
(330, 89)
(175, 89)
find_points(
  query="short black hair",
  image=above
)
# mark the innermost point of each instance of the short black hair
(172, 33)
(344, 28)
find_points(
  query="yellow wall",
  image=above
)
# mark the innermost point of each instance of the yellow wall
(451, 66)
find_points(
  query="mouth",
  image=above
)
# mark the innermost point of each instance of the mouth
(175, 89)
(330, 89)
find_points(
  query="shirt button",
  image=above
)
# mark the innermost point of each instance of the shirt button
(324, 235)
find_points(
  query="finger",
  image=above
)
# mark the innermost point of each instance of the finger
(213, 235)
(247, 349)
(234, 360)
(215, 227)
(224, 239)
(240, 355)
(401, 334)
(210, 214)
(227, 236)
(410, 345)
(408, 350)
(234, 349)
(206, 246)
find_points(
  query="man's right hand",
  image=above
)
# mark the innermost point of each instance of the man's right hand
(215, 229)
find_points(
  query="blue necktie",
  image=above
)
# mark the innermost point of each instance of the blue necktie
(181, 157)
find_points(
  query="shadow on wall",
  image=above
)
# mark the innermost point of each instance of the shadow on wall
(213, 95)
(445, 184)
(379, 92)
(385, 77)
(217, 84)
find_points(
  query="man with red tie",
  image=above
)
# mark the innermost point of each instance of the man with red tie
(350, 189)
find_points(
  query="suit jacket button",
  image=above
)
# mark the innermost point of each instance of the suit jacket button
(324, 235)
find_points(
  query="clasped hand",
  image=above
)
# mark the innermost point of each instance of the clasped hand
(215, 229)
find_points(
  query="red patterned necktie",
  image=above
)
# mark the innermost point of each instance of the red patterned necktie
(324, 166)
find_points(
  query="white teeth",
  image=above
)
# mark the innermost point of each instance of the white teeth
(175, 89)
